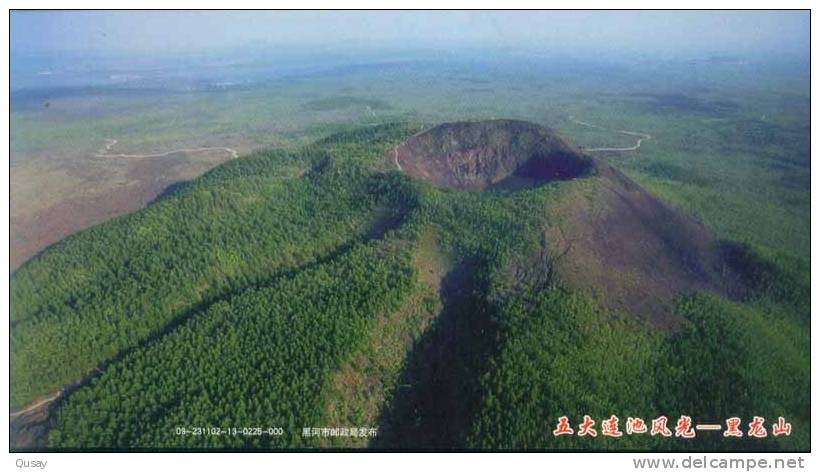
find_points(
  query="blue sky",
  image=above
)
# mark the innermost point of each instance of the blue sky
(687, 32)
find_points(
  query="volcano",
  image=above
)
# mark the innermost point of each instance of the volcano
(615, 239)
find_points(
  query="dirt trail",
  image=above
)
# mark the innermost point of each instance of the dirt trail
(36, 405)
(109, 143)
(641, 137)
(396, 158)
(396, 149)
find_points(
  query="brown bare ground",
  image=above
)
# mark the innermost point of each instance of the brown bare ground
(44, 212)
(633, 251)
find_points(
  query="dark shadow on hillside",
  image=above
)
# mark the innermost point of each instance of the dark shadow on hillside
(174, 189)
(748, 275)
(438, 392)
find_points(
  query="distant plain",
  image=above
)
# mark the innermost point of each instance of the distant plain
(729, 135)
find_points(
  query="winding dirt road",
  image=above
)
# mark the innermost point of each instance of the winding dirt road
(641, 137)
(109, 143)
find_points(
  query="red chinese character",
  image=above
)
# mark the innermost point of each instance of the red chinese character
(684, 428)
(733, 428)
(635, 425)
(610, 427)
(563, 427)
(659, 427)
(585, 428)
(756, 429)
(781, 427)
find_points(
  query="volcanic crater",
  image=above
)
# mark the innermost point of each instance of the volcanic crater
(478, 155)
(614, 239)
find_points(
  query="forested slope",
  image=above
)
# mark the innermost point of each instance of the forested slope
(252, 296)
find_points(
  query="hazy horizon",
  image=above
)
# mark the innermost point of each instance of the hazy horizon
(565, 32)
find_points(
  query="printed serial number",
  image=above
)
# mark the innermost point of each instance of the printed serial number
(219, 431)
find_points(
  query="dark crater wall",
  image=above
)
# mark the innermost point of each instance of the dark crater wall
(494, 153)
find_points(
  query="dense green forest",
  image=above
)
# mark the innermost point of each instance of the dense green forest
(562, 355)
(235, 300)
(250, 361)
